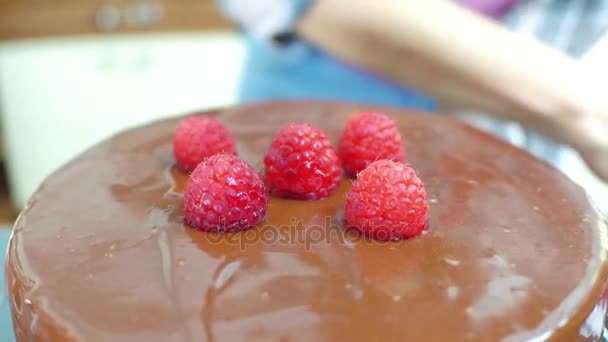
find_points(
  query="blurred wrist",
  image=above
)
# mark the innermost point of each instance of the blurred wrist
(577, 121)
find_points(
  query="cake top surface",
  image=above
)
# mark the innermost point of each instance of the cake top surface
(513, 249)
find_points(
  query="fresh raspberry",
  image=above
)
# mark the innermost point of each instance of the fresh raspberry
(199, 137)
(366, 138)
(387, 202)
(302, 163)
(224, 194)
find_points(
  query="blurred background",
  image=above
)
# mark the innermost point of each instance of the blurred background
(75, 71)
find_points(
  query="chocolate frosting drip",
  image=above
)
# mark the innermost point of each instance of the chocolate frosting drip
(513, 249)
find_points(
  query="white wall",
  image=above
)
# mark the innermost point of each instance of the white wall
(60, 96)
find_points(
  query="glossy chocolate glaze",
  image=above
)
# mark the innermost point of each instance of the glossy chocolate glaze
(513, 249)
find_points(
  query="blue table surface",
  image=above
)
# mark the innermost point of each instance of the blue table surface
(6, 326)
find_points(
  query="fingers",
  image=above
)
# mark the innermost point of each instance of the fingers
(597, 161)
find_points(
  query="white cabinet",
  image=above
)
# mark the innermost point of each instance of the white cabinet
(60, 96)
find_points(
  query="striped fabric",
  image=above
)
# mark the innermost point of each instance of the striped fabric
(264, 19)
(569, 25)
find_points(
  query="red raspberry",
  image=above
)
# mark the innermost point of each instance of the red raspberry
(302, 163)
(366, 138)
(387, 202)
(199, 137)
(224, 194)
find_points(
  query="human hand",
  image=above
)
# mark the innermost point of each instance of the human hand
(591, 131)
(586, 130)
(592, 142)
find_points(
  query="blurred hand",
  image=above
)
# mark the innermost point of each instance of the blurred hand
(587, 132)
(594, 127)
(592, 142)
(470, 64)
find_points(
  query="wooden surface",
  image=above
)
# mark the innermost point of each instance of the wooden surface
(44, 18)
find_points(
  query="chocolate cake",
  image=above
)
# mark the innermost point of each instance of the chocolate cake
(513, 250)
